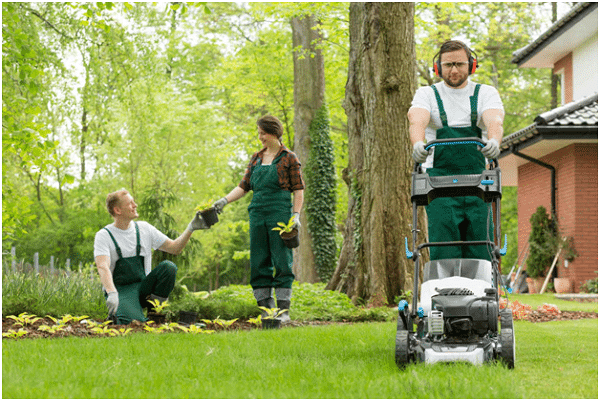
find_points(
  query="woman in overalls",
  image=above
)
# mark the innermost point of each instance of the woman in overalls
(273, 174)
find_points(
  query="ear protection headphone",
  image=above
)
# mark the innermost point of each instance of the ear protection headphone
(437, 59)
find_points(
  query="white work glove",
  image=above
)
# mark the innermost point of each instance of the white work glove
(419, 153)
(197, 223)
(220, 204)
(296, 225)
(112, 303)
(491, 150)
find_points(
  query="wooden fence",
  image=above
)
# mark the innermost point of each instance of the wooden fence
(50, 269)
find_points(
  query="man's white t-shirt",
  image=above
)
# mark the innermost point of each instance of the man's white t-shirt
(457, 106)
(150, 238)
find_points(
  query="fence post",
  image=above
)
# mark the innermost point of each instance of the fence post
(52, 264)
(36, 262)
(13, 262)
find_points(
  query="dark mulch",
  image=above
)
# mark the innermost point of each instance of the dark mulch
(540, 317)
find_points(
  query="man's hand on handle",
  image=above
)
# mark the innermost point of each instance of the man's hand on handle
(419, 153)
(491, 150)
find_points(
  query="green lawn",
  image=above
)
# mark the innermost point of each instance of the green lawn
(554, 360)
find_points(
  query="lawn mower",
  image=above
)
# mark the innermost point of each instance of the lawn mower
(457, 317)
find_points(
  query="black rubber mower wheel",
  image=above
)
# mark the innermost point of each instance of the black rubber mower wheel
(402, 348)
(507, 339)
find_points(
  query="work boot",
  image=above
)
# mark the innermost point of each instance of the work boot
(284, 296)
(265, 299)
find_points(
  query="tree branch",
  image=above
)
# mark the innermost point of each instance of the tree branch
(37, 14)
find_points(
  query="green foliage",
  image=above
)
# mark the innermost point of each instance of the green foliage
(590, 286)
(321, 195)
(55, 295)
(542, 243)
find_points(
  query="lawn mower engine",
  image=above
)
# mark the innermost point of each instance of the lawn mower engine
(458, 313)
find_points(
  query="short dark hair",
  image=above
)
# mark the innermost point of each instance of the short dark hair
(271, 125)
(454, 45)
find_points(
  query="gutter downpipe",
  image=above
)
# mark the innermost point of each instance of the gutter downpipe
(552, 177)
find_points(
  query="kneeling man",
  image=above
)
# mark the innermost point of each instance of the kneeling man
(123, 254)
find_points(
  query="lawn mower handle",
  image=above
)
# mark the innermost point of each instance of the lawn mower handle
(456, 141)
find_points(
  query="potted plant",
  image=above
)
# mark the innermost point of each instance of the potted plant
(271, 321)
(543, 244)
(156, 314)
(288, 234)
(208, 213)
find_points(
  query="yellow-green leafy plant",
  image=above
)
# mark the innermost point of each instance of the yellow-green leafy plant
(158, 306)
(15, 334)
(257, 321)
(24, 319)
(68, 318)
(272, 313)
(204, 206)
(52, 329)
(121, 332)
(285, 228)
(193, 329)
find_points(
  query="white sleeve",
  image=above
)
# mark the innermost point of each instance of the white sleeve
(157, 238)
(490, 99)
(422, 98)
(101, 244)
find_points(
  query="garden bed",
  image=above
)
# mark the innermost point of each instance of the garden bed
(42, 328)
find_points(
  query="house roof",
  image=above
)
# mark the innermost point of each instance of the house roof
(575, 120)
(578, 13)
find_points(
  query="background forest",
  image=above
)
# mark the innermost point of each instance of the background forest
(162, 99)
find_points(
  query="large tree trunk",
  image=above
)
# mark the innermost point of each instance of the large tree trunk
(379, 91)
(309, 93)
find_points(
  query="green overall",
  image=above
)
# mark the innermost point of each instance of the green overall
(134, 286)
(270, 205)
(463, 218)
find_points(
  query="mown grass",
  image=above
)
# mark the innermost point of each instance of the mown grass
(554, 360)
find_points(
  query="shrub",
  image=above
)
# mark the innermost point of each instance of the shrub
(542, 241)
(590, 286)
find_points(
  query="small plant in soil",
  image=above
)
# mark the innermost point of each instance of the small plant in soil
(158, 306)
(15, 334)
(204, 206)
(285, 228)
(24, 319)
(272, 313)
(257, 321)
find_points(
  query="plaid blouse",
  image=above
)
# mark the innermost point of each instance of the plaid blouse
(288, 170)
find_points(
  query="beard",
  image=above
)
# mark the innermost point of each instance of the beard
(455, 84)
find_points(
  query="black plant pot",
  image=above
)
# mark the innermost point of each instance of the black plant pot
(188, 317)
(209, 216)
(268, 324)
(157, 318)
(291, 239)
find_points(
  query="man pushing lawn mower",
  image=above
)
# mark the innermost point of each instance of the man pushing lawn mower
(123, 253)
(454, 126)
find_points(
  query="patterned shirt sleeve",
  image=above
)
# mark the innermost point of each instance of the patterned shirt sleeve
(295, 180)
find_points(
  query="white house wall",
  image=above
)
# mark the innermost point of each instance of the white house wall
(585, 68)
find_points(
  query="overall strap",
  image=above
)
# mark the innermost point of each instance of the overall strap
(443, 115)
(473, 100)
(115, 242)
(138, 247)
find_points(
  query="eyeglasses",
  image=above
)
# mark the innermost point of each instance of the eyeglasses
(457, 64)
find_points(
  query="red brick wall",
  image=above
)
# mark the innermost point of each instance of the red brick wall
(576, 204)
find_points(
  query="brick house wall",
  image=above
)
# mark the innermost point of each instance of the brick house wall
(576, 204)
